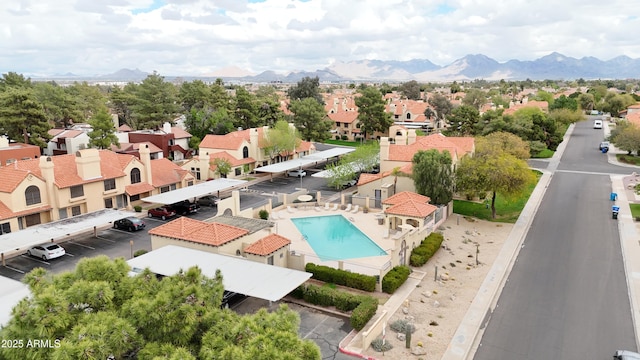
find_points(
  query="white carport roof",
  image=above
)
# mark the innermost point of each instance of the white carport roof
(239, 275)
(191, 192)
(56, 230)
(305, 160)
(355, 167)
(12, 292)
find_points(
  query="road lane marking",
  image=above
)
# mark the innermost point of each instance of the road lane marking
(82, 245)
(105, 239)
(14, 269)
(35, 259)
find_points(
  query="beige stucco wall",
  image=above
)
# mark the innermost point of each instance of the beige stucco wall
(279, 257)
(16, 200)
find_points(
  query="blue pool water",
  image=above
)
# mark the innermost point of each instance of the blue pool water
(336, 238)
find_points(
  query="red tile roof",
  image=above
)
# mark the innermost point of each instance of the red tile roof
(184, 228)
(411, 208)
(230, 141)
(125, 128)
(634, 118)
(344, 116)
(456, 147)
(267, 245)
(232, 160)
(179, 133)
(406, 196)
(6, 213)
(139, 188)
(134, 147)
(164, 172)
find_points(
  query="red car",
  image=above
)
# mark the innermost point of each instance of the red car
(161, 212)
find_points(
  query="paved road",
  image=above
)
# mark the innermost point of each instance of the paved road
(566, 296)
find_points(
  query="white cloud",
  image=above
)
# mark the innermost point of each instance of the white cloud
(193, 37)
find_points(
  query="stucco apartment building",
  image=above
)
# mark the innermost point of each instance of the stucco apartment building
(56, 187)
(243, 149)
(11, 152)
(397, 153)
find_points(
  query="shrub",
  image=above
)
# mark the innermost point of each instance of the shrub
(401, 326)
(344, 137)
(422, 253)
(337, 137)
(379, 346)
(342, 277)
(395, 278)
(137, 208)
(264, 214)
(363, 313)
(139, 252)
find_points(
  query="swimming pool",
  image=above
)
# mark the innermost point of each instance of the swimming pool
(336, 238)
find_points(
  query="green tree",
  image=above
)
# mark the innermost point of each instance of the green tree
(22, 117)
(410, 90)
(60, 108)
(98, 311)
(475, 98)
(433, 175)
(194, 94)
(371, 112)
(564, 102)
(310, 119)
(566, 116)
(586, 101)
(455, 87)
(308, 87)
(504, 142)
(14, 80)
(200, 122)
(155, 103)
(282, 140)
(491, 169)
(223, 166)
(245, 109)
(442, 106)
(464, 120)
(103, 134)
(87, 99)
(628, 139)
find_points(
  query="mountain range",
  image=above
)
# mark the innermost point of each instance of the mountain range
(554, 66)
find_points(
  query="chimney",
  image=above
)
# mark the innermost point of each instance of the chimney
(166, 127)
(145, 158)
(402, 138)
(4, 142)
(411, 137)
(88, 164)
(114, 119)
(204, 165)
(384, 149)
(47, 170)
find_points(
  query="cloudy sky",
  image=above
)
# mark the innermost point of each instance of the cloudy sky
(199, 37)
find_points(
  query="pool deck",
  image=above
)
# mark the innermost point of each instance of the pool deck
(367, 223)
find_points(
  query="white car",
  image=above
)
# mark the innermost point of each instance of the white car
(46, 251)
(297, 173)
(597, 124)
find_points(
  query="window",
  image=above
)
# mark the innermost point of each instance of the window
(77, 191)
(189, 183)
(135, 176)
(196, 172)
(270, 260)
(337, 124)
(346, 125)
(174, 186)
(164, 189)
(245, 152)
(33, 219)
(75, 211)
(32, 195)
(109, 184)
(238, 171)
(108, 203)
(408, 116)
(134, 197)
(63, 213)
(5, 228)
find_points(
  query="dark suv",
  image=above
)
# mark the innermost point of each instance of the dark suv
(130, 223)
(184, 207)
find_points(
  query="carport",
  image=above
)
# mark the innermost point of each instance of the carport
(56, 230)
(239, 275)
(12, 292)
(195, 191)
(304, 161)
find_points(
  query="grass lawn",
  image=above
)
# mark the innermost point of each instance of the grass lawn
(347, 143)
(628, 159)
(544, 154)
(635, 210)
(507, 210)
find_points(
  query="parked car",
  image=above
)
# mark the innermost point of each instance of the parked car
(161, 212)
(348, 184)
(46, 251)
(604, 144)
(597, 124)
(130, 223)
(184, 207)
(297, 173)
(208, 200)
(626, 355)
(230, 298)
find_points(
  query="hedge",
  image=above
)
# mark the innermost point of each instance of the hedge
(362, 307)
(395, 278)
(421, 254)
(342, 277)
